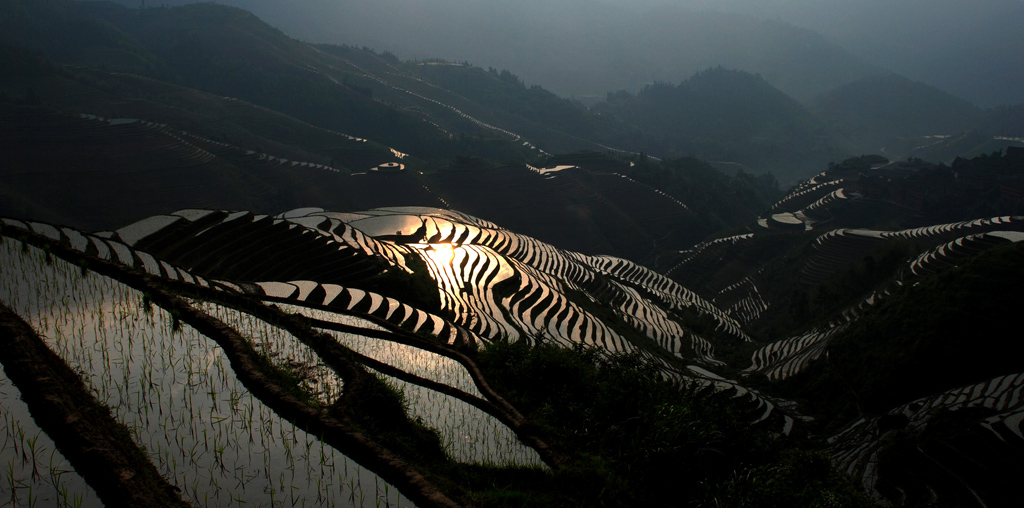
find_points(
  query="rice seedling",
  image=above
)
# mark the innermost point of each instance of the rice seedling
(283, 349)
(410, 359)
(173, 387)
(27, 478)
(469, 434)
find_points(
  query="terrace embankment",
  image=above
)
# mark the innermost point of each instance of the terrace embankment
(337, 432)
(337, 428)
(493, 404)
(99, 447)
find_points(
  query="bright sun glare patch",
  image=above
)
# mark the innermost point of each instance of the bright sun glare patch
(442, 253)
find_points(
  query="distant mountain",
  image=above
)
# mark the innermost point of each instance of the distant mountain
(575, 48)
(895, 281)
(965, 47)
(1007, 121)
(729, 115)
(967, 144)
(436, 110)
(439, 110)
(126, 147)
(217, 49)
(474, 277)
(875, 109)
(871, 348)
(119, 168)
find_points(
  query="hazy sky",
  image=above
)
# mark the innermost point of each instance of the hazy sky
(968, 47)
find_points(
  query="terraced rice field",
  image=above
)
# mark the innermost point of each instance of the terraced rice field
(35, 473)
(173, 388)
(492, 285)
(801, 206)
(999, 400)
(469, 258)
(750, 304)
(699, 249)
(782, 359)
(841, 247)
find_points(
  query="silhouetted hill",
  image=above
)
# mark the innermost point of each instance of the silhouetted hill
(70, 31)
(134, 146)
(1005, 121)
(96, 172)
(435, 109)
(668, 329)
(874, 110)
(728, 115)
(587, 212)
(576, 48)
(883, 290)
(798, 61)
(964, 47)
(471, 101)
(227, 51)
(924, 339)
(968, 144)
(933, 370)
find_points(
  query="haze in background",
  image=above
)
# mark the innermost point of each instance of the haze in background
(968, 48)
(586, 48)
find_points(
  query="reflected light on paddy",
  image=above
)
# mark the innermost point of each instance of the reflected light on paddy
(441, 253)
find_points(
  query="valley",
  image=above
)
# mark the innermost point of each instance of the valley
(240, 269)
(494, 286)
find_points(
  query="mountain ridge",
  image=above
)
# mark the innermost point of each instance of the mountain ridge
(487, 305)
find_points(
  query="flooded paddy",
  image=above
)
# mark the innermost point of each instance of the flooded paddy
(34, 472)
(283, 350)
(173, 387)
(384, 225)
(469, 434)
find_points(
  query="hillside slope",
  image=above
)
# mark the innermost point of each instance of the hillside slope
(876, 109)
(725, 115)
(878, 304)
(577, 48)
(310, 306)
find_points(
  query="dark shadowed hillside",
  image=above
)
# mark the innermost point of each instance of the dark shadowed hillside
(874, 110)
(726, 115)
(239, 269)
(576, 48)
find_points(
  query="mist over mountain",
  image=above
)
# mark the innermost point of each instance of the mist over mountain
(876, 109)
(238, 267)
(586, 48)
(576, 48)
(728, 115)
(968, 48)
(440, 110)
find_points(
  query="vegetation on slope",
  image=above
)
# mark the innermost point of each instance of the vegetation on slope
(224, 51)
(638, 440)
(720, 114)
(875, 109)
(951, 329)
(721, 202)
